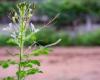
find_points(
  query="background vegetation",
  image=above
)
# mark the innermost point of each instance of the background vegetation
(70, 11)
(5, 7)
(90, 39)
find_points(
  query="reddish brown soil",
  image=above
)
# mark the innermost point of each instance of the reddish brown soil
(75, 63)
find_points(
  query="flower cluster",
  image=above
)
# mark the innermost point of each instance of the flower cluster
(13, 29)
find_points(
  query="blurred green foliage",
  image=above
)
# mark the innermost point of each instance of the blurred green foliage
(3, 40)
(49, 36)
(5, 7)
(70, 10)
(88, 39)
(44, 37)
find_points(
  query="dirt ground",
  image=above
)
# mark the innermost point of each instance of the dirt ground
(73, 63)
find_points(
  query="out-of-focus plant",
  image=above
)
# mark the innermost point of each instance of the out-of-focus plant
(43, 39)
(88, 39)
(20, 33)
(5, 7)
(70, 10)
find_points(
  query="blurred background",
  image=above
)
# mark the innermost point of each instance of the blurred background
(77, 56)
(77, 24)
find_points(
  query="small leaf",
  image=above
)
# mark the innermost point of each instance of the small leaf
(21, 73)
(41, 51)
(30, 63)
(13, 42)
(25, 64)
(9, 78)
(31, 37)
(33, 71)
(5, 65)
(36, 62)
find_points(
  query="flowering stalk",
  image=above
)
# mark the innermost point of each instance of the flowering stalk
(19, 36)
(21, 47)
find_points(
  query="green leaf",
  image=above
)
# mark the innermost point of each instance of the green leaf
(9, 78)
(30, 63)
(31, 37)
(33, 71)
(36, 62)
(41, 51)
(21, 73)
(5, 65)
(13, 41)
(26, 64)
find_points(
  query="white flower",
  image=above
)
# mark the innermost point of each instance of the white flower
(11, 28)
(5, 29)
(8, 28)
(10, 25)
(34, 29)
(13, 35)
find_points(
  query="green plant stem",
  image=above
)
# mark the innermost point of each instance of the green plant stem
(21, 49)
(20, 59)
